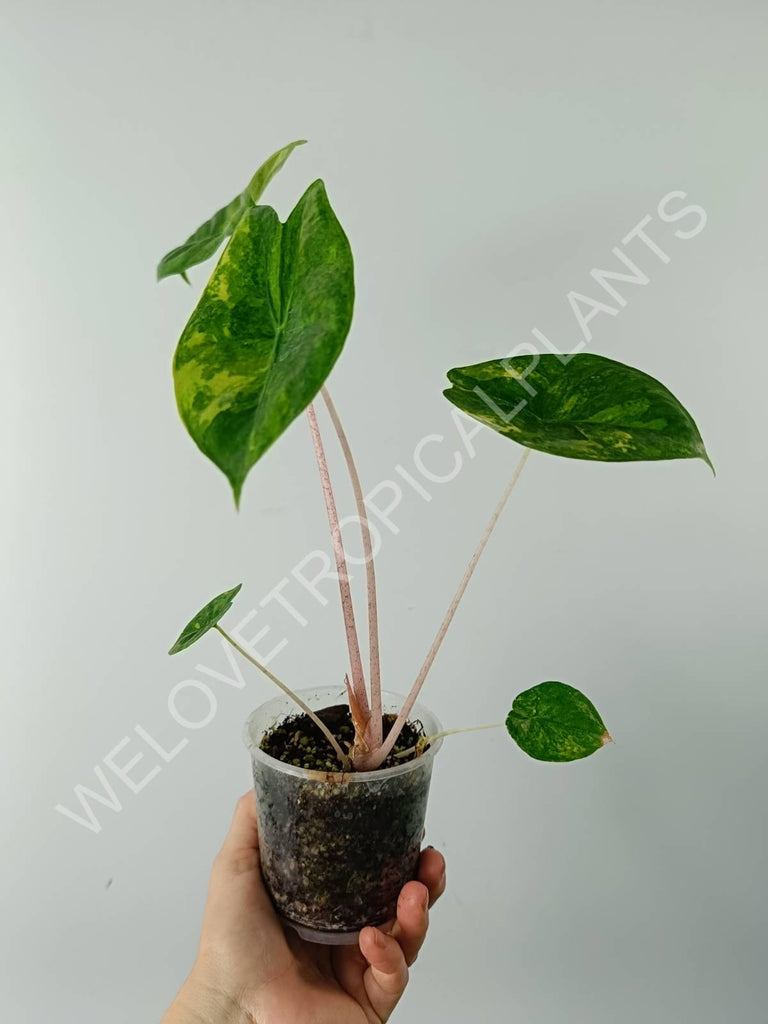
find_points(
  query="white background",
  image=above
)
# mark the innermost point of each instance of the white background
(483, 158)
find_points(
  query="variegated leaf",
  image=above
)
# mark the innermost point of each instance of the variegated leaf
(266, 333)
(582, 406)
(205, 619)
(556, 722)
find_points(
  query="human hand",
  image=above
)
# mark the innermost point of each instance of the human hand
(252, 969)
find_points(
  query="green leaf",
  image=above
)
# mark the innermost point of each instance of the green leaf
(209, 236)
(587, 407)
(555, 722)
(269, 169)
(266, 333)
(205, 619)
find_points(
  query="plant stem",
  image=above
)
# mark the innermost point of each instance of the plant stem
(426, 740)
(304, 707)
(360, 722)
(355, 663)
(376, 758)
(374, 737)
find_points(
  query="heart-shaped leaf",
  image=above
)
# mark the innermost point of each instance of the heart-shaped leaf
(582, 406)
(266, 333)
(209, 236)
(205, 619)
(556, 722)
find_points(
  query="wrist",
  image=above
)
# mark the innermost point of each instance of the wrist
(199, 1001)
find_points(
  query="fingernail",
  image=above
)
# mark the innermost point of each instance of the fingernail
(430, 847)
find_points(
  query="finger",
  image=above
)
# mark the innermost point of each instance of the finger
(410, 925)
(431, 872)
(386, 977)
(412, 921)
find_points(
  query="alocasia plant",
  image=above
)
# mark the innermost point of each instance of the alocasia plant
(257, 350)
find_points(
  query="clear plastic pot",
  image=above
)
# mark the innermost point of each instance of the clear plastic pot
(336, 848)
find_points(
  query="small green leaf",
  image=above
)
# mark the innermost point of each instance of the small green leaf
(269, 169)
(587, 407)
(209, 236)
(205, 619)
(266, 333)
(555, 722)
(205, 241)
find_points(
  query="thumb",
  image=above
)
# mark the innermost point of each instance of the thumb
(242, 839)
(238, 902)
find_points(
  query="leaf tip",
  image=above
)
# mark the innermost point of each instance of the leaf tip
(163, 272)
(606, 738)
(454, 378)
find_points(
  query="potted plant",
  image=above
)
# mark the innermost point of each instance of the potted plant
(342, 774)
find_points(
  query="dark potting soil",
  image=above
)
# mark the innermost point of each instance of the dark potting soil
(298, 740)
(336, 849)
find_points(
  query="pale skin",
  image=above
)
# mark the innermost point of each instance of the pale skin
(251, 969)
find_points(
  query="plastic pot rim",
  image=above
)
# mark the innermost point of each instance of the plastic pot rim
(418, 712)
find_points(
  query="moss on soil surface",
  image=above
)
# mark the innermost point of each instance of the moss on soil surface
(298, 741)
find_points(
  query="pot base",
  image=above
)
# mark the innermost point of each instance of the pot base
(324, 938)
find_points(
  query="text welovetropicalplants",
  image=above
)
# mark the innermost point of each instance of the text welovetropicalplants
(259, 347)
